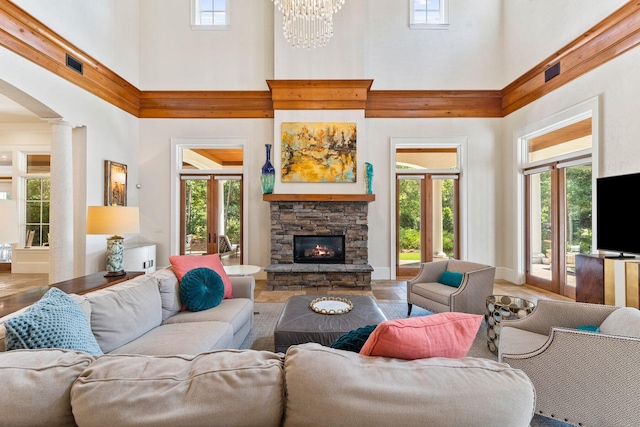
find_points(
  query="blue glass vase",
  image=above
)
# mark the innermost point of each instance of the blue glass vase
(268, 173)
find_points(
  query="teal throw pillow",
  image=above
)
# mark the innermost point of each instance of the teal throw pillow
(54, 321)
(451, 278)
(354, 340)
(588, 328)
(201, 289)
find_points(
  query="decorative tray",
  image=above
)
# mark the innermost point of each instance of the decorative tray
(331, 305)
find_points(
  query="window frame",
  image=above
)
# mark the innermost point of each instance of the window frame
(196, 22)
(444, 17)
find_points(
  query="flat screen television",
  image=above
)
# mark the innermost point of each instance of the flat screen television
(618, 222)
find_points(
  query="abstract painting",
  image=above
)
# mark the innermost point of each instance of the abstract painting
(319, 152)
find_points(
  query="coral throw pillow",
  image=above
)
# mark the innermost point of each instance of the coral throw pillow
(437, 335)
(182, 264)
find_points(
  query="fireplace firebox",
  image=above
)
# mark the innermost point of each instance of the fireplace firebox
(318, 249)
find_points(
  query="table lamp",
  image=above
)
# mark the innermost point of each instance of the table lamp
(8, 227)
(113, 220)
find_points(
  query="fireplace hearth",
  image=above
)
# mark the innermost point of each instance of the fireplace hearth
(318, 249)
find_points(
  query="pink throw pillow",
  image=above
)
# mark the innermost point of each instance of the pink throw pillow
(182, 264)
(438, 335)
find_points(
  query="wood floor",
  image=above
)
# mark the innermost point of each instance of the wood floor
(381, 290)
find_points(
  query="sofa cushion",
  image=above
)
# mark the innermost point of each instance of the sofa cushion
(333, 387)
(180, 338)
(236, 311)
(437, 335)
(434, 291)
(181, 264)
(354, 340)
(123, 312)
(230, 387)
(451, 278)
(624, 321)
(201, 289)
(169, 292)
(36, 386)
(54, 321)
(519, 341)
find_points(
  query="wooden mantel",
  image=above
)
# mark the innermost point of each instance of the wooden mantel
(319, 197)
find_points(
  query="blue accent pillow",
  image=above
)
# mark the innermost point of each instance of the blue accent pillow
(451, 278)
(589, 328)
(201, 289)
(54, 321)
(354, 340)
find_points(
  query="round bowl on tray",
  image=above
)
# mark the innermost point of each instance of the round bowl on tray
(331, 305)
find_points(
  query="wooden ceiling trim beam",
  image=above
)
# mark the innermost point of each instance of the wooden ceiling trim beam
(206, 104)
(442, 103)
(31, 39)
(611, 37)
(319, 94)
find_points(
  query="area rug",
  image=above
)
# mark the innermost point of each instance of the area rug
(266, 315)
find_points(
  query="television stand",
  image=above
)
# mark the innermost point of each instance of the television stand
(620, 256)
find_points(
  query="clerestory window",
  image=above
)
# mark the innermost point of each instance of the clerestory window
(210, 14)
(428, 14)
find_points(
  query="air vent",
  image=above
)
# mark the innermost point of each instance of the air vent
(551, 72)
(74, 64)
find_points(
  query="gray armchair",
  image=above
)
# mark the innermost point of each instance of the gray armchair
(477, 284)
(581, 378)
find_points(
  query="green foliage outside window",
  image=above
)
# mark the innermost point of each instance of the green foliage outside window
(196, 209)
(37, 209)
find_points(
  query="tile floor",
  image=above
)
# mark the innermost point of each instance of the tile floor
(381, 290)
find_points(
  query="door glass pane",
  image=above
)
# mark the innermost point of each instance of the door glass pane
(540, 225)
(229, 208)
(578, 217)
(195, 215)
(443, 219)
(409, 226)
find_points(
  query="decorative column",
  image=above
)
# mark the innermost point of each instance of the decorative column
(61, 205)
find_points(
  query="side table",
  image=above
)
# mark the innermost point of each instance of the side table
(241, 270)
(503, 307)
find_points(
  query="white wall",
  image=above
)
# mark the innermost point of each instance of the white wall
(175, 57)
(156, 179)
(617, 87)
(467, 55)
(487, 45)
(111, 134)
(105, 29)
(534, 30)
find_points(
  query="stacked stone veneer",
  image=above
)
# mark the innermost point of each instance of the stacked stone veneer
(316, 219)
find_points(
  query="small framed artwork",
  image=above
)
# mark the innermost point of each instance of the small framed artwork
(115, 184)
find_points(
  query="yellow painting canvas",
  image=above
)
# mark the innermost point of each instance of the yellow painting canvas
(319, 152)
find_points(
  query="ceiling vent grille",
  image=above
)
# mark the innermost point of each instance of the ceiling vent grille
(74, 64)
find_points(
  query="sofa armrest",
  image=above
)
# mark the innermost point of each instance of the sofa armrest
(548, 314)
(576, 373)
(243, 286)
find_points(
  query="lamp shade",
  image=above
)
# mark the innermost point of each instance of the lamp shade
(113, 220)
(9, 222)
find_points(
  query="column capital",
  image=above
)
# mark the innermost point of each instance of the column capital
(58, 122)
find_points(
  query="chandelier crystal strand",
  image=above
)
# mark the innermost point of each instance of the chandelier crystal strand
(308, 23)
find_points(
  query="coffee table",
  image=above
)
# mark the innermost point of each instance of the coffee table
(298, 324)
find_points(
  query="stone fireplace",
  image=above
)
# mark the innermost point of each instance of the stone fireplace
(326, 220)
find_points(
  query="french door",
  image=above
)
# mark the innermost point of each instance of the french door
(559, 218)
(211, 216)
(426, 219)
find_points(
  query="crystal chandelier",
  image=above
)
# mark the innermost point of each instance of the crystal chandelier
(308, 23)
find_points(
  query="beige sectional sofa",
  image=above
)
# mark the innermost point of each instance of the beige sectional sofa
(143, 316)
(311, 385)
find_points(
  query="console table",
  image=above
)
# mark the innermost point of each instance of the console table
(79, 285)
